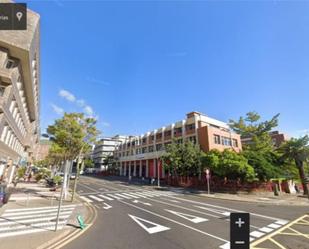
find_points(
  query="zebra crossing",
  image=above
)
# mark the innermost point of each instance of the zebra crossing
(32, 220)
(124, 195)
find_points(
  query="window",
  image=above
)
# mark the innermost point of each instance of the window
(159, 147)
(144, 150)
(235, 142)
(144, 140)
(177, 131)
(10, 64)
(167, 133)
(226, 141)
(2, 89)
(150, 148)
(192, 139)
(217, 139)
(190, 127)
(159, 136)
(151, 138)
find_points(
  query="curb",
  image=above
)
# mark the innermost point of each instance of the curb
(212, 196)
(65, 238)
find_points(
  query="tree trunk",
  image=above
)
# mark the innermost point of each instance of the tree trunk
(301, 170)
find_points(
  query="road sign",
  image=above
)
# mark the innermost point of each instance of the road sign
(207, 171)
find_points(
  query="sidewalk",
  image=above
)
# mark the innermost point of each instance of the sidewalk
(256, 197)
(28, 220)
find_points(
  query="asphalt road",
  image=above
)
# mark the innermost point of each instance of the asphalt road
(134, 216)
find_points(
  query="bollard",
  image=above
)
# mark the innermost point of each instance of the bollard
(81, 221)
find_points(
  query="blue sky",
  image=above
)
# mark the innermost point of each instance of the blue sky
(140, 65)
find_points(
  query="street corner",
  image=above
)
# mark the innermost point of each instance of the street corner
(293, 235)
(81, 220)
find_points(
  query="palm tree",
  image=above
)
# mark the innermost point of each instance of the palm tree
(297, 149)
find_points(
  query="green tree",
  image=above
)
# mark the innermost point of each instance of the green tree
(73, 134)
(229, 164)
(88, 163)
(259, 151)
(182, 159)
(297, 150)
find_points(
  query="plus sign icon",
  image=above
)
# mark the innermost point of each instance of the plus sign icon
(239, 230)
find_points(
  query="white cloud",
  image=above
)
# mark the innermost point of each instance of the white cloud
(81, 102)
(67, 95)
(106, 124)
(57, 109)
(88, 110)
(97, 81)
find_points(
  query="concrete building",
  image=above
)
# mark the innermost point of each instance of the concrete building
(105, 148)
(42, 149)
(138, 155)
(277, 138)
(19, 95)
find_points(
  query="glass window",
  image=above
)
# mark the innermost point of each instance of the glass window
(235, 142)
(217, 139)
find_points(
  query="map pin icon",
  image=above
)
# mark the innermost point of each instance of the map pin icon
(19, 15)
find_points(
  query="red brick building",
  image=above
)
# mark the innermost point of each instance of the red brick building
(138, 155)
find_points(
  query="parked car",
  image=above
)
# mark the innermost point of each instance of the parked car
(73, 176)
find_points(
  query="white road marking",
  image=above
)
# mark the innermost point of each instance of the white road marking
(10, 214)
(85, 199)
(38, 208)
(273, 225)
(257, 234)
(169, 200)
(282, 222)
(230, 209)
(192, 218)
(21, 217)
(145, 203)
(226, 246)
(106, 206)
(130, 195)
(126, 197)
(141, 195)
(156, 228)
(115, 196)
(214, 210)
(176, 222)
(266, 229)
(189, 209)
(6, 223)
(31, 220)
(95, 198)
(106, 197)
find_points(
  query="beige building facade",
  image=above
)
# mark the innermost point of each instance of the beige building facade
(19, 95)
